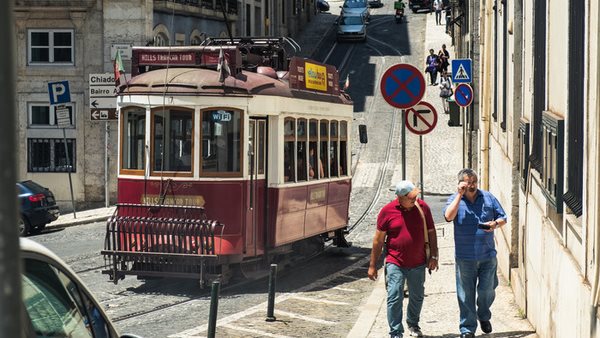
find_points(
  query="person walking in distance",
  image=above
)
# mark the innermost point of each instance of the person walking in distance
(401, 227)
(438, 6)
(432, 62)
(476, 214)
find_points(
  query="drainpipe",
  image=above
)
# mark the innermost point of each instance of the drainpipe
(486, 96)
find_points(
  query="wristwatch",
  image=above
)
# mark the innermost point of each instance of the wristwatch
(434, 257)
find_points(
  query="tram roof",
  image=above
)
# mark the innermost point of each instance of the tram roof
(202, 81)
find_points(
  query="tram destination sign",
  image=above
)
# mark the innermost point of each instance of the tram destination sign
(102, 97)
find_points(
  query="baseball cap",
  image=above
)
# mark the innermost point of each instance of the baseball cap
(403, 188)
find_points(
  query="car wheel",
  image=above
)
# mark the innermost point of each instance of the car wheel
(23, 227)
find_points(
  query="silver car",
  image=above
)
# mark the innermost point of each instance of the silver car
(352, 27)
(56, 302)
(356, 7)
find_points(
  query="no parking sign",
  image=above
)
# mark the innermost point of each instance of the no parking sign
(402, 86)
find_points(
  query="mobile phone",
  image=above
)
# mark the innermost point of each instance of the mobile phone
(484, 226)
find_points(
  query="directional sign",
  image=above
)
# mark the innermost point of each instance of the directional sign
(103, 114)
(103, 97)
(59, 92)
(421, 118)
(462, 71)
(402, 86)
(463, 95)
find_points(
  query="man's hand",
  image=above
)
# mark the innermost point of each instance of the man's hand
(372, 273)
(462, 187)
(432, 265)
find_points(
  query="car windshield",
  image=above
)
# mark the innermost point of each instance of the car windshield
(352, 20)
(354, 4)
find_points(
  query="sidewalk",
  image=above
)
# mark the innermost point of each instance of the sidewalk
(83, 217)
(440, 313)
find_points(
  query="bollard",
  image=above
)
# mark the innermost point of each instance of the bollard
(271, 302)
(214, 304)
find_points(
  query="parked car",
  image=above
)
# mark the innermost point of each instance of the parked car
(375, 3)
(38, 207)
(55, 300)
(322, 6)
(416, 5)
(356, 7)
(352, 27)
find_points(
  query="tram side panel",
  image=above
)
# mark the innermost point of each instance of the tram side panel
(309, 210)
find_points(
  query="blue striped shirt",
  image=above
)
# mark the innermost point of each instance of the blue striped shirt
(470, 242)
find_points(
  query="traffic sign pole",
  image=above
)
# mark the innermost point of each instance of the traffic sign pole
(421, 167)
(403, 144)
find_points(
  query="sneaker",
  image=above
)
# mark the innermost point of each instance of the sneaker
(415, 331)
(467, 335)
(395, 336)
(486, 326)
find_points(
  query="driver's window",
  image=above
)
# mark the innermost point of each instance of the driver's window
(55, 305)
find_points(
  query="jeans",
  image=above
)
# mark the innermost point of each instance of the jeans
(471, 277)
(395, 278)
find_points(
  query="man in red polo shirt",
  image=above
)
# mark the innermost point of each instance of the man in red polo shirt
(401, 226)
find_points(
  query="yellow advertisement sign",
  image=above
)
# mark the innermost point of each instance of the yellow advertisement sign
(316, 76)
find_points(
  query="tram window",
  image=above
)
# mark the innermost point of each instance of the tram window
(172, 140)
(314, 161)
(333, 148)
(324, 148)
(302, 166)
(261, 147)
(343, 148)
(134, 132)
(289, 162)
(289, 150)
(221, 134)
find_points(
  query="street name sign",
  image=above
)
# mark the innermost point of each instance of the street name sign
(421, 118)
(103, 97)
(402, 86)
(462, 71)
(463, 95)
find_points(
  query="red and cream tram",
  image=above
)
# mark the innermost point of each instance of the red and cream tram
(218, 168)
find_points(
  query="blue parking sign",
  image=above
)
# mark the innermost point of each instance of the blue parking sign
(59, 92)
(462, 71)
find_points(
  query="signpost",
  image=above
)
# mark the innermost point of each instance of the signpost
(59, 95)
(462, 71)
(421, 118)
(463, 95)
(402, 86)
(103, 97)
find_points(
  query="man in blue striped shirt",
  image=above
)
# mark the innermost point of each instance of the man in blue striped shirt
(476, 214)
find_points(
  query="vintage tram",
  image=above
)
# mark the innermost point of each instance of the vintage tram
(229, 153)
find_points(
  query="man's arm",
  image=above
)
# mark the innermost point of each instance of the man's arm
(378, 241)
(452, 209)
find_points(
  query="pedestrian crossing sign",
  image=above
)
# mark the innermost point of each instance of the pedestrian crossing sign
(462, 71)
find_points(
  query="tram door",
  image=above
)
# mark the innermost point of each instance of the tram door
(257, 157)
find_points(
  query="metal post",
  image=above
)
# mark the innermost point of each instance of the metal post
(214, 304)
(271, 302)
(69, 171)
(464, 125)
(106, 190)
(421, 167)
(403, 144)
(10, 261)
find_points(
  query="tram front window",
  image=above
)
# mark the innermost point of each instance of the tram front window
(221, 133)
(172, 140)
(134, 132)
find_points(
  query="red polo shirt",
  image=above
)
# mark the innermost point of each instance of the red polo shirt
(405, 241)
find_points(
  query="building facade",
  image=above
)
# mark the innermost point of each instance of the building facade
(537, 137)
(72, 40)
